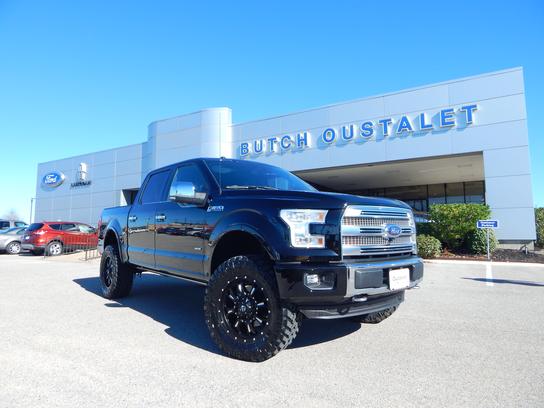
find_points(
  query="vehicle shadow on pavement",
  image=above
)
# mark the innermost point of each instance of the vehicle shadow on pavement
(179, 305)
(507, 281)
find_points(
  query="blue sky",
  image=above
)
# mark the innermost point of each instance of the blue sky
(76, 77)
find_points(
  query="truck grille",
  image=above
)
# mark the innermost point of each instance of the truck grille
(377, 231)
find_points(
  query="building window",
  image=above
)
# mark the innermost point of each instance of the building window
(455, 193)
(475, 192)
(437, 194)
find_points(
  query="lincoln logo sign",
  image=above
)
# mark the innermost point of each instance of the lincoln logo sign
(400, 126)
(53, 179)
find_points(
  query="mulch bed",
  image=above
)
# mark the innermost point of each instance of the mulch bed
(500, 255)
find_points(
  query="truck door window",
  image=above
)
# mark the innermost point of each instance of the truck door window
(154, 189)
(191, 173)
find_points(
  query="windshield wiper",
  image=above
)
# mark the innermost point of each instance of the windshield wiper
(250, 187)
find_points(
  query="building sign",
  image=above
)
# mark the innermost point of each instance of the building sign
(363, 131)
(81, 177)
(53, 179)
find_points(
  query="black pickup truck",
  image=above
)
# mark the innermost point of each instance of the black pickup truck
(271, 249)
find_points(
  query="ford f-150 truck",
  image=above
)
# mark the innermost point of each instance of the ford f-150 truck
(271, 249)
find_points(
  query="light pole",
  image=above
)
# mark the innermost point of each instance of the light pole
(31, 208)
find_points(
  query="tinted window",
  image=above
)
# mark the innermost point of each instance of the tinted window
(34, 227)
(155, 187)
(192, 173)
(20, 224)
(55, 226)
(237, 174)
(474, 192)
(4, 224)
(69, 227)
(455, 193)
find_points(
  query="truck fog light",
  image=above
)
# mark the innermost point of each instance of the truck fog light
(324, 281)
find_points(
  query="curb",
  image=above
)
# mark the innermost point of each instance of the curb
(471, 262)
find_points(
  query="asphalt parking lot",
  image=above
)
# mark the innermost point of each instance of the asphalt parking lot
(467, 337)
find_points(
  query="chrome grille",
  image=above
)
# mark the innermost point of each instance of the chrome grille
(374, 240)
(363, 231)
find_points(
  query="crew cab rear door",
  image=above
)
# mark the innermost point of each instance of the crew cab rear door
(181, 230)
(141, 219)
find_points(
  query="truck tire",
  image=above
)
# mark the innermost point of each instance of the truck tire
(376, 317)
(243, 311)
(116, 277)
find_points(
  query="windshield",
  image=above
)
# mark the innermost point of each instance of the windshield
(244, 175)
(34, 227)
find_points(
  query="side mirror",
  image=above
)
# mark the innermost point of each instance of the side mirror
(185, 192)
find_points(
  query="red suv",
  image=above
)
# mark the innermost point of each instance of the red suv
(57, 237)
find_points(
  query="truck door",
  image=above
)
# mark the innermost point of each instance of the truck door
(141, 220)
(181, 230)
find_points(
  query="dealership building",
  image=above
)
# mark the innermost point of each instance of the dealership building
(459, 141)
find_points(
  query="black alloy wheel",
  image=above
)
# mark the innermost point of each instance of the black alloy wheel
(245, 308)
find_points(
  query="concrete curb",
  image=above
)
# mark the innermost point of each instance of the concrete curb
(470, 262)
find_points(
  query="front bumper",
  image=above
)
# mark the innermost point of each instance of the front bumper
(360, 287)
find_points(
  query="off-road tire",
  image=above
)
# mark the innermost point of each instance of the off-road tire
(116, 277)
(376, 317)
(13, 248)
(54, 248)
(277, 330)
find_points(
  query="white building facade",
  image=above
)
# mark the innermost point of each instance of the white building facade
(463, 140)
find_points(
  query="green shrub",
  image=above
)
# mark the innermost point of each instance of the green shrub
(539, 216)
(452, 222)
(424, 228)
(476, 242)
(428, 247)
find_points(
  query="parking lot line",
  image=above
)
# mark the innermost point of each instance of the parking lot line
(489, 275)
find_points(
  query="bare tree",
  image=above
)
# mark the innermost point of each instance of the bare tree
(11, 215)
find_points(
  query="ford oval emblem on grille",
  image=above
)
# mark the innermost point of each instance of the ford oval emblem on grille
(53, 179)
(391, 231)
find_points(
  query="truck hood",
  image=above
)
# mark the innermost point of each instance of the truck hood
(309, 199)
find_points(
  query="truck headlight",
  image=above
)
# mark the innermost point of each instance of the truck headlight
(299, 226)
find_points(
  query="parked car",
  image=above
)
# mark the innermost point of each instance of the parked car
(56, 237)
(271, 249)
(10, 240)
(7, 224)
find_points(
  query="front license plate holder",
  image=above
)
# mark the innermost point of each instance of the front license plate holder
(399, 278)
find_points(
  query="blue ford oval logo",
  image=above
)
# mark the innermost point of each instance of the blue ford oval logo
(391, 231)
(53, 179)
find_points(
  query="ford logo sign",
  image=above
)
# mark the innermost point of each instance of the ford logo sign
(391, 231)
(53, 179)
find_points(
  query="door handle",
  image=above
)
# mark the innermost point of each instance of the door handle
(160, 217)
(132, 218)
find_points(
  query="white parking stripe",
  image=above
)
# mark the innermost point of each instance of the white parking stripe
(489, 275)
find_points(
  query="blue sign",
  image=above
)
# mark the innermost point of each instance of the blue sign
(53, 179)
(487, 224)
(362, 131)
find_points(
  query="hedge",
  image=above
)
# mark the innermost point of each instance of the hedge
(428, 247)
(476, 241)
(451, 223)
(539, 216)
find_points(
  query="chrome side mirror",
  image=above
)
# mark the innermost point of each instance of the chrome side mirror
(185, 192)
